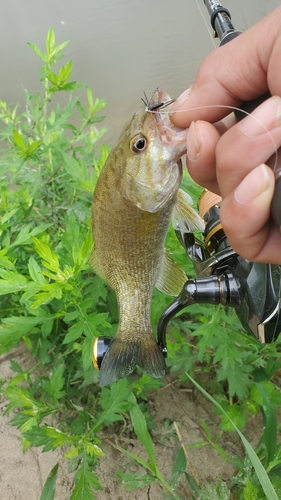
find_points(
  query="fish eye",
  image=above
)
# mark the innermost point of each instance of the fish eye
(138, 144)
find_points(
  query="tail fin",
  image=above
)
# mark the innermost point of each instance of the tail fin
(122, 357)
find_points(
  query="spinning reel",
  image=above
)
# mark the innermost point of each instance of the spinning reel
(224, 277)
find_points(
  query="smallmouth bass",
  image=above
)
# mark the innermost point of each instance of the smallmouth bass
(133, 201)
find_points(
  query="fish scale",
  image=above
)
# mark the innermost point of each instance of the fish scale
(132, 206)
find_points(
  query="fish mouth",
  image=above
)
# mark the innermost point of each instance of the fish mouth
(159, 99)
(158, 105)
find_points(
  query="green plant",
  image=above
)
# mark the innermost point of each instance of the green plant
(50, 299)
(49, 490)
(53, 303)
(269, 440)
(133, 481)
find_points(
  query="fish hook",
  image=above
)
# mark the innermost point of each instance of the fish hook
(158, 105)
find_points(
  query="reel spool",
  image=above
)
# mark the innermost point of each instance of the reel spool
(209, 208)
(100, 347)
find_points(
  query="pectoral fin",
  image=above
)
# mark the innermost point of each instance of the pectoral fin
(171, 278)
(184, 217)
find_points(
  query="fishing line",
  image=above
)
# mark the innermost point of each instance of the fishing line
(232, 108)
(206, 24)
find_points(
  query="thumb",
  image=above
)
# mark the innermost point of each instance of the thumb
(245, 215)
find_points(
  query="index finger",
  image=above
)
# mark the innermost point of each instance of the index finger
(239, 71)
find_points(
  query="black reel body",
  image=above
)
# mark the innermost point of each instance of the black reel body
(223, 277)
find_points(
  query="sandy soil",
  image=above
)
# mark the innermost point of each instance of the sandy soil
(22, 476)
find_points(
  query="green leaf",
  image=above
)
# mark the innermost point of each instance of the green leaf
(135, 481)
(273, 393)
(50, 42)
(15, 366)
(250, 492)
(93, 450)
(24, 236)
(26, 233)
(227, 354)
(13, 282)
(74, 332)
(19, 140)
(54, 385)
(216, 446)
(193, 484)
(270, 424)
(20, 397)
(48, 437)
(8, 215)
(47, 327)
(211, 492)
(273, 365)
(85, 481)
(87, 353)
(37, 51)
(235, 413)
(61, 46)
(114, 401)
(95, 320)
(32, 147)
(137, 459)
(51, 291)
(72, 86)
(140, 428)
(36, 272)
(178, 468)
(50, 260)
(275, 471)
(90, 99)
(23, 422)
(70, 316)
(49, 489)
(16, 327)
(65, 72)
(238, 380)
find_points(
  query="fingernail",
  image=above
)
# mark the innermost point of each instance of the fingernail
(193, 144)
(179, 102)
(266, 117)
(254, 184)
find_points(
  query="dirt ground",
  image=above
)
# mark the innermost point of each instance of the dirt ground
(22, 476)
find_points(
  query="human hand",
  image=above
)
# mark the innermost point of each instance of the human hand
(229, 158)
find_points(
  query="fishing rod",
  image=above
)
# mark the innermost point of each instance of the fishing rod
(224, 277)
(225, 31)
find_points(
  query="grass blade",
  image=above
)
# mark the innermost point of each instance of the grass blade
(141, 431)
(260, 470)
(178, 469)
(140, 428)
(49, 490)
(270, 424)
